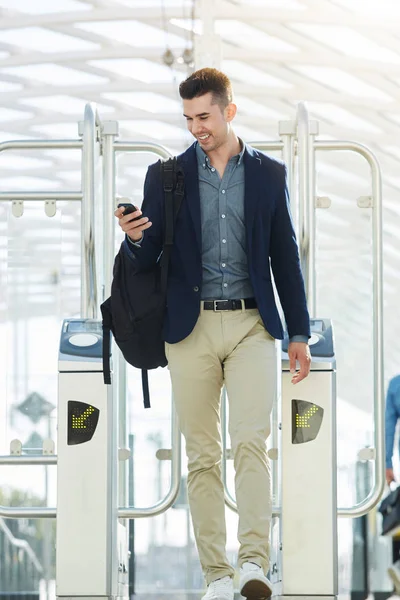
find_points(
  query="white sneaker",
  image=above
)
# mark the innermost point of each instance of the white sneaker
(394, 574)
(220, 589)
(253, 584)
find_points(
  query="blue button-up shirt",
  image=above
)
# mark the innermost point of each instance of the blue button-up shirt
(224, 259)
(392, 414)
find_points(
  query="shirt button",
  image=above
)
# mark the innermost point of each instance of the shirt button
(225, 285)
(223, 216)
(213, 169)
(224, 241)
(223, 192)
(196, 289)
(223, 265)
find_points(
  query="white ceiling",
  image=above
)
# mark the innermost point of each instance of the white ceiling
(340, 56)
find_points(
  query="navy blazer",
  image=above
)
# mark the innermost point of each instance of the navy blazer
(270, 241)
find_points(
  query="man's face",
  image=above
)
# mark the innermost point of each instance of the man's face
(206, 122)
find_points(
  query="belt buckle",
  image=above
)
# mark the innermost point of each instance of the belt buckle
(215, 305)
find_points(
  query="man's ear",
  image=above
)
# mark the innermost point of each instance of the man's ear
(230, 112)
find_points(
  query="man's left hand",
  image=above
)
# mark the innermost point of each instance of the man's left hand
(299, 351)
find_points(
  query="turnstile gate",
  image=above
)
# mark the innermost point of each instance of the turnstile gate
(92, 552)
(308, 524)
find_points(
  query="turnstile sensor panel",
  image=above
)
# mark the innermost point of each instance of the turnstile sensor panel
(82, 422)
(306, 421)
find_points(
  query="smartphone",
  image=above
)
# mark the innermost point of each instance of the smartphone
(129, 208)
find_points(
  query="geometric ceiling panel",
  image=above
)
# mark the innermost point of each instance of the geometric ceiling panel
(147, 101)
(53, 74)
(347, 41)
(339, 79)
(140, 69)
(242, 71)
(44, 6)
(68, 104)
(40, 38)
(131, 32)
(231, 30)
(338, 115)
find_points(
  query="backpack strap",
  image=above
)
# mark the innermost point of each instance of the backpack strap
(145, 388)
(168, 171)
(106, 355)
(174, 188)
(179, 189)
(105, 311)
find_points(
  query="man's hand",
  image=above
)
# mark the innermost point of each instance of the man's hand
(299, 351)
(134, 229)
(389, 476)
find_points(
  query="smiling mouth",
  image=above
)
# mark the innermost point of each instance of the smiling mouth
(203, 138)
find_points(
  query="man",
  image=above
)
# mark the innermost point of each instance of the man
(221, 321)
(392, 414)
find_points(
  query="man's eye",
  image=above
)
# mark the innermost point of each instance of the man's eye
(203, 118)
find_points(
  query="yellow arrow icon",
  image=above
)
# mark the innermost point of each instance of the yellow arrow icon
(302, 420)
(79, 422)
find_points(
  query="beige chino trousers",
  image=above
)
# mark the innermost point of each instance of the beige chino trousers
(230, 347)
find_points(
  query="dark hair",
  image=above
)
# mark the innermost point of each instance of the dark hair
(207, 80)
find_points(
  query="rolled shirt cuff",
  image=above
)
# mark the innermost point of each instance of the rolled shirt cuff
(137, 244)
(299, 338)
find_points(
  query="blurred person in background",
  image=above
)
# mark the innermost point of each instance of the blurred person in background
(392, 415)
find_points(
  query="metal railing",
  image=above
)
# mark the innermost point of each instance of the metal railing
(377, 454)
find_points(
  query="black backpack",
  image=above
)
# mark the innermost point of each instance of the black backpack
(134, 312)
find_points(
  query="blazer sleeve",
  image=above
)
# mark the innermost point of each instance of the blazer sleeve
(149, 251)
(285, 264)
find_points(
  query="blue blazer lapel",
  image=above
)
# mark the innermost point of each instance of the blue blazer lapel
(252, 172)
(188, 160)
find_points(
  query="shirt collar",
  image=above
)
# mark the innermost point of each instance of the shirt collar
(205, 161)
(241, 153)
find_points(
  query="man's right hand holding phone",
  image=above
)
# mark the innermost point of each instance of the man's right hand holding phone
(131, 221)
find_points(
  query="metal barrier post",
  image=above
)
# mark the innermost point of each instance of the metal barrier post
(377, 453)
(305, 151)
(89, 303)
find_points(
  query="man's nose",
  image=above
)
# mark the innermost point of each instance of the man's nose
(196, 128)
